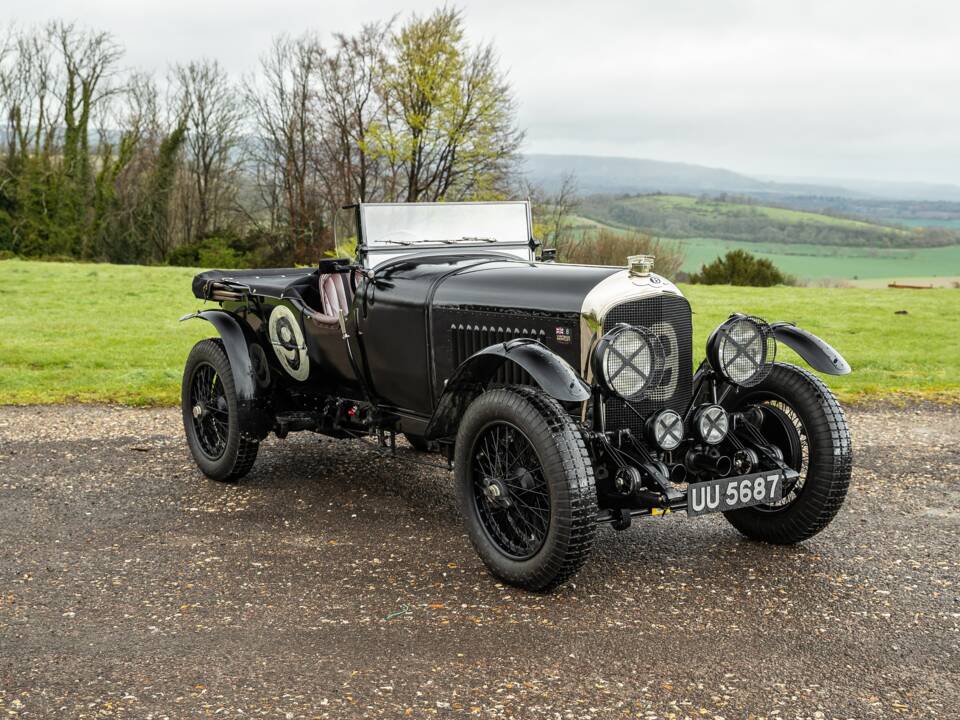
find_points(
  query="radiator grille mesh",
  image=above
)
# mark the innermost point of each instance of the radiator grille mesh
(668, 317)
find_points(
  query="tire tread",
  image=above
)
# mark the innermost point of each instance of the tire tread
(212, 351)
(831, 455)
(576, 528)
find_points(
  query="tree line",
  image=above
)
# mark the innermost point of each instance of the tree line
(196, 166)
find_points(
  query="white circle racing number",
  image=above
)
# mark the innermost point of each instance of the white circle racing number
(287, 340)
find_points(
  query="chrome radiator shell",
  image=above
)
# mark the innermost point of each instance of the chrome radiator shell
(653, 302)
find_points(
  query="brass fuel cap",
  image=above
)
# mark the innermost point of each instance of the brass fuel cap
(640, 265)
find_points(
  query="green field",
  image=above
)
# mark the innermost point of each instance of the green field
(815, 262)
(808, 245)
(727, 218)
(951, 224)
(718, 208)
(94, 332)
(109, 333)
(818, 262)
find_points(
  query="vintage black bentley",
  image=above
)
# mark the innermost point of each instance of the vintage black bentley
(563, 396)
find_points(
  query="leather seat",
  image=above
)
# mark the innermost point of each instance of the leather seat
(334, 294)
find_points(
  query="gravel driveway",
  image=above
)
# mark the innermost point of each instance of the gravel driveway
(334, 582)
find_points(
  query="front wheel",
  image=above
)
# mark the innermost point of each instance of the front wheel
(525, 487)
(211, 421)
(803, 419)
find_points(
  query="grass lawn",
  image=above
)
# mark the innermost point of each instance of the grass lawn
(816, 262)
(109, 333)
(94, 332)
(951, 223)
(917, 354)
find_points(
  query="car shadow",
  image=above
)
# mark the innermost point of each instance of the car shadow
(357, 478)
(326, 468)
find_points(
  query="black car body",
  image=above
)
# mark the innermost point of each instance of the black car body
(562, 395)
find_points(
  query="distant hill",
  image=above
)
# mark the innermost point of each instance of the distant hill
(880, 189)
(629, 175)
(606, 175)
(740, 219)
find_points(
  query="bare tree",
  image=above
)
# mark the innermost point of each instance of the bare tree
(214, 116)
(350, 107)
(553, 212)
(89, 63)
(558, 210)
(97, 163)
(28, 83)
(282, 103)
(140, 225)
(54, 81)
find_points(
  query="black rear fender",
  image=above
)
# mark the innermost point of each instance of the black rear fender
(549, 371)
(237, 341)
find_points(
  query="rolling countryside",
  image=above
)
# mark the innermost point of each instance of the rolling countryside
(811, 246)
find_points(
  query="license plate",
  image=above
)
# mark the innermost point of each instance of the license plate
(734, 492)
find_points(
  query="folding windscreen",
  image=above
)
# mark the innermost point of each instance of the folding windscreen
(391, 230)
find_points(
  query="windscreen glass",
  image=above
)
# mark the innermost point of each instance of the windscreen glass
(452, 223)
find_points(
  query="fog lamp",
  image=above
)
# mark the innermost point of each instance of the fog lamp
(712, 424)
(666, 429)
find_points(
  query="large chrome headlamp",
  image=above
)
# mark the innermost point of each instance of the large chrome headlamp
(742, 349)
(628, 361)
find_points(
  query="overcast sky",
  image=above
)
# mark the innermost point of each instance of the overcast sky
(841, 88)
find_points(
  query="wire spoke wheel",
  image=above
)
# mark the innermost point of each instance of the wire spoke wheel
(802, 419)
(783, 426)
(211, 418)
(525, 487)
(512, 496)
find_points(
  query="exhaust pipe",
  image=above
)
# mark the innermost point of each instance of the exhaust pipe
(709, 461)
(678, 474)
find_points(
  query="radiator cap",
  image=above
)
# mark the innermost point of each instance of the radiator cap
(640, 265)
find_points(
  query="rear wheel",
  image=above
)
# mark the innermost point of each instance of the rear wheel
(208, 400)
(525, 487)
(803, 419)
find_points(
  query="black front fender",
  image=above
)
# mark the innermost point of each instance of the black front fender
(817, 353)
(552, 373)
(254, 423)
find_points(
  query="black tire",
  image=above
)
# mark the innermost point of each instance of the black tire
(818, 447)
(562, 486)
(417, 442)
(214, 437)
